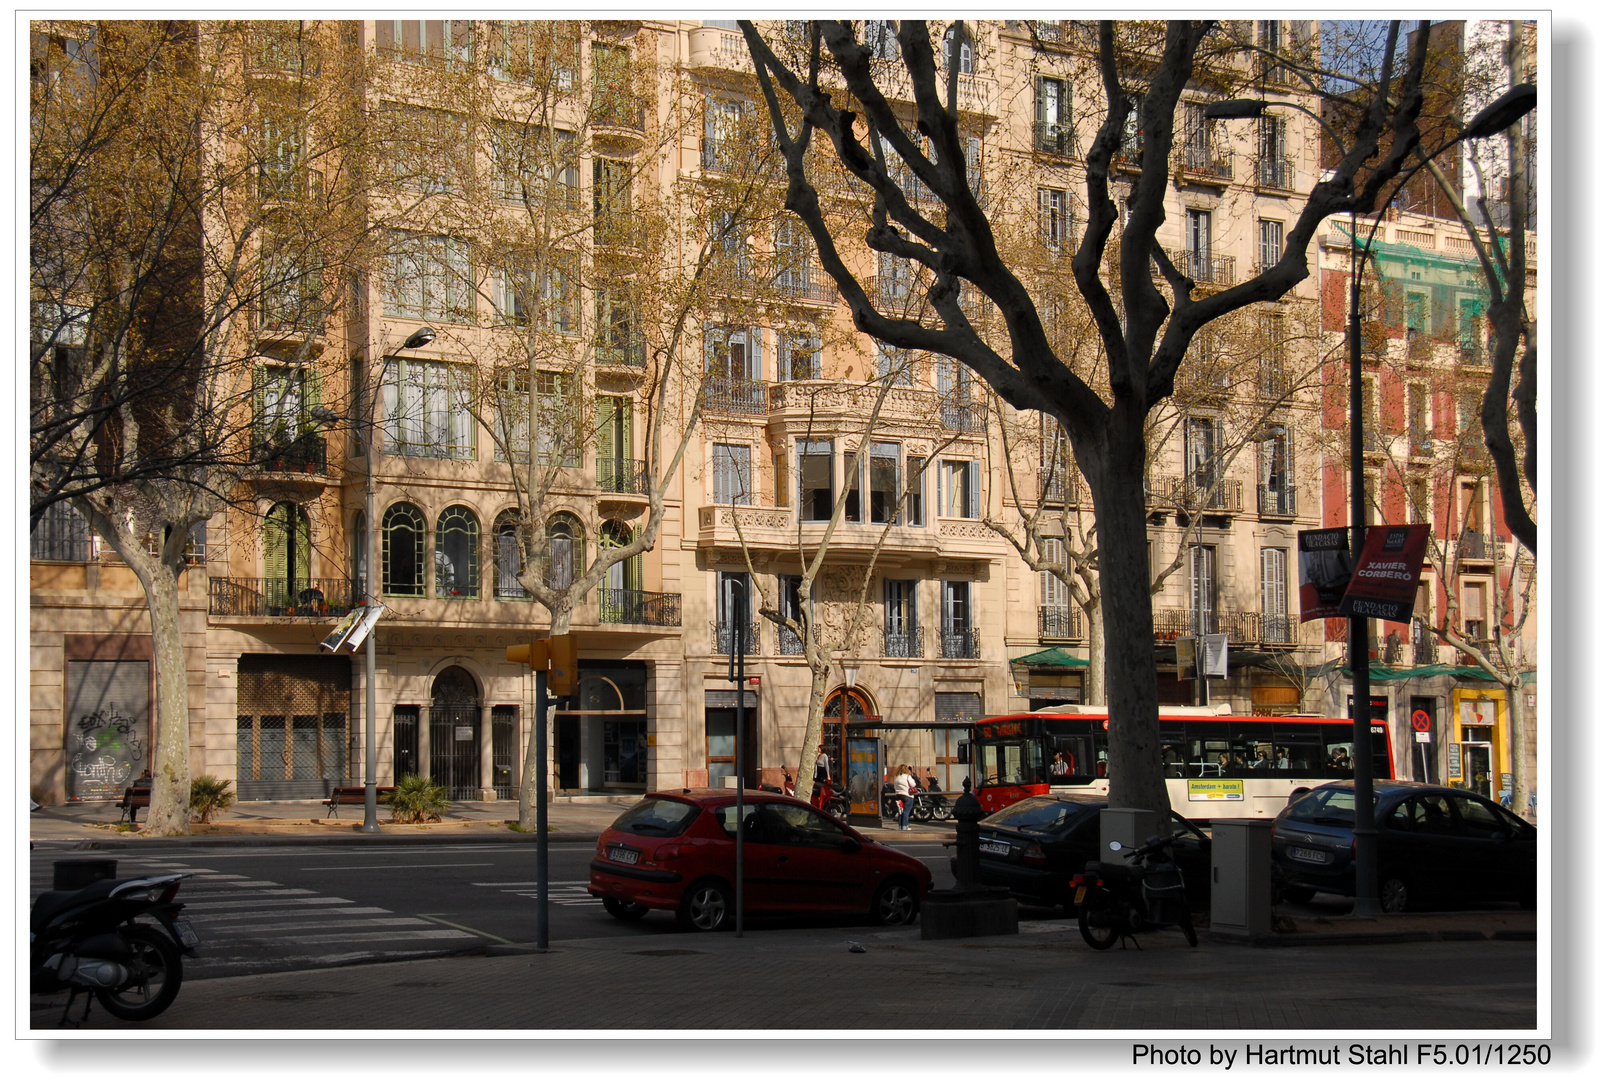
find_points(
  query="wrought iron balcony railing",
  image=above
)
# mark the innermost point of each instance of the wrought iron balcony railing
(803, 283)
(623, 476)
(1200, 493)
(640, 608)
(1056, 138)
(617, 110)
(1205, 268)
(960, 644)
(722, 639)
(1475, 547)
(727, 394)
(1423, 644)
(1278, 502)
(962, 415)
(1061, 621)
(904, 643)
(789, 643)
(316, 598)
(1275, 173)
(1204, 162)
(305, 454)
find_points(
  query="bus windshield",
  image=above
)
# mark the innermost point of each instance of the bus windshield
(1010, 761)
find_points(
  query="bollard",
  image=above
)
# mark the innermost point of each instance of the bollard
(967, 814)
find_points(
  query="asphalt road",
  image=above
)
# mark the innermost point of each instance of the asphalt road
(274, 909)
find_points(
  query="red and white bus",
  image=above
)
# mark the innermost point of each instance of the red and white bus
(1216, 765)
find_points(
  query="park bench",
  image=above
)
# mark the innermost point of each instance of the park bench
(134, 800)
(353, 796)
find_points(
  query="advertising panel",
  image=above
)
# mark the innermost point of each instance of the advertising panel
(1214, 791)
(864, 776)
(1324, 567)
(1384, 584)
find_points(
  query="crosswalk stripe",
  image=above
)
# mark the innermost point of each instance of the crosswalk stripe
(408, 935)
(262, 928)
(216, 904)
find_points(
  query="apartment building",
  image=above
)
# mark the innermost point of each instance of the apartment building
(542, 190)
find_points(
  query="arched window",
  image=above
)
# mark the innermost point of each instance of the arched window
(623, 575)
(965, 58)
(403, 551)
(458, 560)
(565, 550)
(286, 552)
(511, 556)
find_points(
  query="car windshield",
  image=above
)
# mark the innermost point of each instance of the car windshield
(657, 817)
(1037, 815)
(1325, 806)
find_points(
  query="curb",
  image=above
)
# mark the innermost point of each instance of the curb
(259, 840)
(1381, 937)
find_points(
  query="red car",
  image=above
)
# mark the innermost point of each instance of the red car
(675, 851)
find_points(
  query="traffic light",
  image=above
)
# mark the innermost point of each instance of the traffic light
(557, 656)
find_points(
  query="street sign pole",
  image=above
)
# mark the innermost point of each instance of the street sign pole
(540, 732)
(736, 616)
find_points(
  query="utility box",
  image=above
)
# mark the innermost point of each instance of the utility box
(1131, 828)
(1240, 879)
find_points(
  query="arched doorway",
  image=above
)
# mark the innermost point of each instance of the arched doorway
(456, 733)
(843, 706)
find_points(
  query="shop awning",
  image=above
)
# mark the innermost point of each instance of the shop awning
(1382, 673)
(1053, 657)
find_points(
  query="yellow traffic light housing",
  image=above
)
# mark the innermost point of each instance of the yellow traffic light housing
(534, 655)
(562, 660)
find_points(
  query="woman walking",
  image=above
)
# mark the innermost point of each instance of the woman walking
(904, 785)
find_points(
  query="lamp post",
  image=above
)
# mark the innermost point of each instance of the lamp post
(420, 338)
(1493, 119)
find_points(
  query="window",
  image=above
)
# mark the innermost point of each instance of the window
(287, 553)
(427, 409)
(532, 164)
(612, 201)
(428, 150)
(564, 551)
(62, 535)
(1417, 505)
(283, 397)
(1277, 490)
(1273, 383)
(902, 635)
(730, 245)
(1204, 587)
(958, 641)
(1275, 169)
(1057, 616)
(1204, 439)
(1055, 223)
(1368, 411)
(965, 56)
(730, 474)
(1270, 243)
(880, 36)
(1054, 133)
(1199, 247)
(853, 487)
(558, 440)
(1195, 138)
(732, 604)
(733, 352)
(280, 156)
(815, 466)
(960, 489)
(800, 356)
(723, 123)
(954, 384)
(290, 287)
(789, 605)
(549, 294)
(974, 164)
(625, 575)
(1273, 596)
(892, 363)
(1416, 419)
(427, 277)
(1473, 332)
(915, 490)
(617, 337)
(417, 40)
(403, 551)
(511, 557)
(896, 280)
(797, 270)
(618, 471)
(884, 478)
(532, 52)
(614, 102)
(1475, 611)
(458, 558)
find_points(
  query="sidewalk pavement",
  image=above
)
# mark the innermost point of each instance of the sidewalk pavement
(1044, 978)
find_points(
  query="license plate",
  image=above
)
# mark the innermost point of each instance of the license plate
(994, 847)
(1308, 854)
(623, 855)
(187, 936)
(1080, 893)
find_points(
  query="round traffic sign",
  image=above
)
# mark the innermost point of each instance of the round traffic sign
(1421, 721)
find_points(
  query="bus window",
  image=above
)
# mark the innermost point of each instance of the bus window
(1010, 763)
(1079, 759)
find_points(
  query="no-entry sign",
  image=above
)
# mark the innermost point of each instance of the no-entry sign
(1420, 721)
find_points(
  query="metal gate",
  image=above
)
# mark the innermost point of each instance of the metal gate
(456, 749)
(504, 751)
(291, 725)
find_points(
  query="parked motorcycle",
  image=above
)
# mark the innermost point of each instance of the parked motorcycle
(932, 805)
(1147, 892)
(91, 941)
(832, 799)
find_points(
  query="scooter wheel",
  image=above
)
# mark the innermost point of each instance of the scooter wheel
(923, 810)
(1098, 937)
(155, 972)
(1187, 929)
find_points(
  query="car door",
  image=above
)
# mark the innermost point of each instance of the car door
(820, 866)
(763, 861)
(1436, 860)
(1498, 860)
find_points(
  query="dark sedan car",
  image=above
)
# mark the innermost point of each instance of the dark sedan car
(1035, 846)
(1435, 845)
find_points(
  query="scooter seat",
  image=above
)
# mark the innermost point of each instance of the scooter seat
(51, 904)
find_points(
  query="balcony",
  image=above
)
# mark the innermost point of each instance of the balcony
(905, 644)
(718, 48)
(623, 476)
(1059, 484)
(278, 598)
(625, 351)
(1202, 165)
(1055, 138)
(960, 644)
(1280, 502)
(1061, 622)
(1259, 628)
(956, 415)
(789, 643)
(804, 283)
(732, 396)
(1171, 623)
(1423, 644)
(305, 454)
(617, 113)
(722, 639)
(1190, 493)
(1204, 268)
(1274, 173)
(638, 608)
(1475, 547)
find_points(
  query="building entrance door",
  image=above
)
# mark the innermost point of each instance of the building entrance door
(1477, 773)
(456, 734)
(844, 706)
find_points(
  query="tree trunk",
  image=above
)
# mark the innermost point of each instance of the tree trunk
(814, 733)
(170, 784)
(1521, 775)
(1096, 681)
(1136, 777)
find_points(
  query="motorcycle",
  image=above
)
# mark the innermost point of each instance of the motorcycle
(832, 799)
(89, 941)
(1147, 892)
(932, 805)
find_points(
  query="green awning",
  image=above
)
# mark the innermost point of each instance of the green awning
(1381, 673)
(1053, 657)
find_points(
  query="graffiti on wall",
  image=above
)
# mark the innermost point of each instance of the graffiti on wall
(105, 748)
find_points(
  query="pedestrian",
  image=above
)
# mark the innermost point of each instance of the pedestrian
(904, 785)
(820, 778)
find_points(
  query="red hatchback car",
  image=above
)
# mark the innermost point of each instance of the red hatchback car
(675, 851)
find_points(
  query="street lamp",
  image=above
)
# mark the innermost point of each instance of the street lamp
(1491, 120)
(419, 339)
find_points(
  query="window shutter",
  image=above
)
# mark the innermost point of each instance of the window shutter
(606, 446)
(274, 548)
(973, 508)
(302, 550)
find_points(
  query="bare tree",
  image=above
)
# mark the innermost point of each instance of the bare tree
(1145, 336)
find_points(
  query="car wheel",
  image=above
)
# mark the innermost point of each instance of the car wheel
(625, 910)
(1394, 895)
(708, 905)
(1298, 894)
(896, 903)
